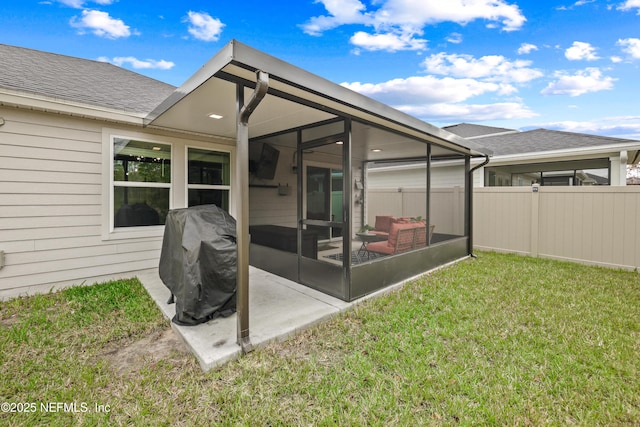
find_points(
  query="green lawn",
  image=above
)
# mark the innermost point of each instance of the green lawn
(501, 339)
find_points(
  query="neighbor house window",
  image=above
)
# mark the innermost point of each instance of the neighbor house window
(141, 182)
(209, 177)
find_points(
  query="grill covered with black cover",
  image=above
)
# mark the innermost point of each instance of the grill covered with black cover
(198, 263)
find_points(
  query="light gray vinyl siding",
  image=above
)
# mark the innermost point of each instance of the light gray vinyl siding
(266, 205)
(51, 206)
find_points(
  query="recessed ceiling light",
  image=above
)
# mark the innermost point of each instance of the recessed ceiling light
(339, 142)
(215, 116)
(376, 150)
(156, 148)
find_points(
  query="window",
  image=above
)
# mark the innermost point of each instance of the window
(209, 177)
(141, 182)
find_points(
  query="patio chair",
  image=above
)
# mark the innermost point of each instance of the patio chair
(401, 239)
(384, 222)
(383, 225)
(421, 235)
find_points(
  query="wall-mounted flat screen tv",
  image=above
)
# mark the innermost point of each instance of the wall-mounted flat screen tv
(264, 167)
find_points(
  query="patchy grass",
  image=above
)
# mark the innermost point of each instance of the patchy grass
(501, 339)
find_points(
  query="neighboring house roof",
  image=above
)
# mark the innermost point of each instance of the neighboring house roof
(533, 141)
(79, 80)
(539, 140)
(470, 131)
(599, 180)
(545, 140)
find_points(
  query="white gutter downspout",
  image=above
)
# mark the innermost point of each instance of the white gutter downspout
(243, 112)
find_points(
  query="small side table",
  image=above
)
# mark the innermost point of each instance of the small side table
(367, 238)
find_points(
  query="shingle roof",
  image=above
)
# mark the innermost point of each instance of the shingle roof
(468, 130)
(79, 80)
(545, 140)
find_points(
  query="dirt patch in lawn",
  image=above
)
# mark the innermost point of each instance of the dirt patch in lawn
(9, 321)
(163, 345)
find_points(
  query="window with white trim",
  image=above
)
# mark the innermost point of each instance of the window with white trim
(141, 182)
(208, 177)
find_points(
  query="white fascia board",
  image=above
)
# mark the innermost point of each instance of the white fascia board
(562, 155)
(55, 105)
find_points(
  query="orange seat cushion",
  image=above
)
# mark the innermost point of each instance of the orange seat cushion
(383, 222)
(380, 247)
(393, 233)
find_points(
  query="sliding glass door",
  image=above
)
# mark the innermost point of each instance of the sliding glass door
(323, 196)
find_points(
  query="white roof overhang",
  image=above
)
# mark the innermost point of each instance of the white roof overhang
(582, 153)
(295, 98)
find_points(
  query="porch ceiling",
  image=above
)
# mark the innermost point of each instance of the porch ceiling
(295, 98)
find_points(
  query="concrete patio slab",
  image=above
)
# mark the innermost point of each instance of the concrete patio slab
(278, 308)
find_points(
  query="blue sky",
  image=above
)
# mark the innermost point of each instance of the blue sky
(518, 64)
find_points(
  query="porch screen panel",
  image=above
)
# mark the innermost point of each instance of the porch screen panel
(397, 203)
(448, 203)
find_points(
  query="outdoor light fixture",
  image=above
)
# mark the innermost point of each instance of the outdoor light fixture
(215, 116)
(339, 142)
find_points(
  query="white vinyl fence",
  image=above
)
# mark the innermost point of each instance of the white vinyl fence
(594, 225)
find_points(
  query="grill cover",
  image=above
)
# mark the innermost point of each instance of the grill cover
(198, 263)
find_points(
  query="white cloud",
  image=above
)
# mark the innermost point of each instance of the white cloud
(424, 90)
(139, 63)
(79, 4)
(100, 24)
(490, 68)
(526, 48)
(444, 99)
(470, 112)
(630, 4)
(581, 51)
(390, 42)
(454, 83)
(455, 38)
(618, 126)
(576, 4)
(403, 19)
(204, 27)
(341, 12)
(584, 81)
(630, 46)
(424, 12)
